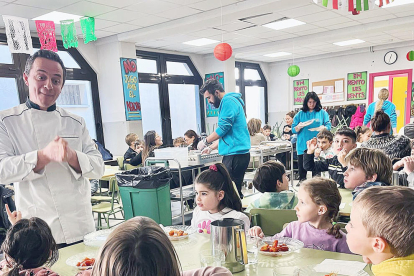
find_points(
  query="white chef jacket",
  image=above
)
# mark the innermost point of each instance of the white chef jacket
(57, 194)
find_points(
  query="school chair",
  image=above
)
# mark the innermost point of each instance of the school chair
(272, 220)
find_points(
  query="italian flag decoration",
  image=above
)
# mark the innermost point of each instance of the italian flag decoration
(410, 56)
(354, 6)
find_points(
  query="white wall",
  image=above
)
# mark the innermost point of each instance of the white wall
(280, 85)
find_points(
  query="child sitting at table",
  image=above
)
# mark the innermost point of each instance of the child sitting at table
(179, 142)
(29, 245)
(345, 141)
(366, 168)
(271, 180)
(363, 134)
(382, 229)
(317, 210)
(139, 246)
(324, 149)
(133, 155)
(216, 198)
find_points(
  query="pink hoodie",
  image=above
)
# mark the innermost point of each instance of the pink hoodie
(358, 118)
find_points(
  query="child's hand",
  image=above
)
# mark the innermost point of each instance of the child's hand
(256, 231)
(312, 145)
(341, 157)
(13, 217)
(317, 152)
(398, 165)
(408, 164)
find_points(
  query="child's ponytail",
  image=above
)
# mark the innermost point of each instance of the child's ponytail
(335, 230)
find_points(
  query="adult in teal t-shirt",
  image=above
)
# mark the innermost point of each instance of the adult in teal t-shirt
(307, 123)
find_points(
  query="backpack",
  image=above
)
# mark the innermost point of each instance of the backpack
(106, 154)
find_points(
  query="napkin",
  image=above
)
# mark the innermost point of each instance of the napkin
(342, 206)
(352, 268)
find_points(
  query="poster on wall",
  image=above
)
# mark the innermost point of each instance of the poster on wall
(330, 90)
(300, 89)
(130, 83)
(211, 111)
(357, 86)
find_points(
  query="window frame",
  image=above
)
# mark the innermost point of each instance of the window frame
(86, 73)
(163, 79)
(242, 83)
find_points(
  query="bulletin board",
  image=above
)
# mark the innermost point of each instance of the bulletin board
(330, 90)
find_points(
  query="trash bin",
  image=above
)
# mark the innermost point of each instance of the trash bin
(145, 192)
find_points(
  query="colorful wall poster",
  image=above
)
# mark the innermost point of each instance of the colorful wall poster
(211, 111)
(300, 89)
(131, 89)
(357, 86)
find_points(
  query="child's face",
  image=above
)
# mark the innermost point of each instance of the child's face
(324, 144)
(365, 137)
(343, 142)
(188, 140)
(354, 177)
(289, 120)
(158, 140)
(207, 199)
(284, 185)
(306, 209)
(266, 132)
(357, 237)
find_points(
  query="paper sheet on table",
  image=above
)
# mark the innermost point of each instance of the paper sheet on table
(342, 206)
(351, 268)
(339, 86)
(318, 89)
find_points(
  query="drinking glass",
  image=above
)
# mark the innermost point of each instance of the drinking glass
(211, 257)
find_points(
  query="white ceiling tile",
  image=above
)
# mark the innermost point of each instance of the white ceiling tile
(115, 3)
(155, 43)
(23, 11)
(342, 25)
(179, 38)
(179, 13)
(101, 24)
(46, 4)
(100, 34)
(304, 29)
(375, 19)
(333, 21)
(183, 2)
(121, 28)
(120, 15)
(148, 20)
(303, 10)
(253, 31)
(87, 8)
(263, 19)
(404, 14)
(275, 35)
(211, 4)
(153, 7)
(319, 16)
(237, 25)
(207, 32)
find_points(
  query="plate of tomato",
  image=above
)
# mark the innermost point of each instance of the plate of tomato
(82, 261)
(279, 246)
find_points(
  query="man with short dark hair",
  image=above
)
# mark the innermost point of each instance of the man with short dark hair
(48, 154)
(232, 132)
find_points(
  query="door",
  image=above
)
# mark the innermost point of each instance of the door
(399, 97)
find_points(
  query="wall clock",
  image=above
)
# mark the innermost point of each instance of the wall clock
(390, 57)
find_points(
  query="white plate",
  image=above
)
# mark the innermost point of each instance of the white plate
(187, 229)
(72, 261)
(291, 243)
(309, 271)
(97, 238)
(308, 123)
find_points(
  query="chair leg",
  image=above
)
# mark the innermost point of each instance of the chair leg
(99, 222)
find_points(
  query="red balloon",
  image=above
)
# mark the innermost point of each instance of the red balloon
(223, 51)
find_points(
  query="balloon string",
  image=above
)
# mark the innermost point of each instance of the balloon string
(221, 19)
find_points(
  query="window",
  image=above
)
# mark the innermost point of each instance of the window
(79, 95)
(252, 84)
(170, 100)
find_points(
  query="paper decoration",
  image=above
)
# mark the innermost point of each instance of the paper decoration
(68, 32)
(353, 6)
(357, 86)
(46, 32)
(211, 111)
(410, 56)
(293, 70)
(18, 34)
(130, 83)
(300, 89)
(223, 51)
(88, 29)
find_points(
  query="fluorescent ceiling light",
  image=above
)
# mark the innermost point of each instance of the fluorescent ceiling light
(58, 16)
(278, 54)
(201, 42)
(395, 3)
(283, 24)
(349, 42)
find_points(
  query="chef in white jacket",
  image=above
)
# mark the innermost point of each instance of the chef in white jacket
(48, 154)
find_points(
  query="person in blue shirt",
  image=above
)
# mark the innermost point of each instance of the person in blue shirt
(306, 124)
(385, 105)
(232, 132)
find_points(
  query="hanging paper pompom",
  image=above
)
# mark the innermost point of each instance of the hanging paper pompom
(410, 55)
(88, 29)
(46, 32)
(223, 51)
(293, 70)
(68, 31)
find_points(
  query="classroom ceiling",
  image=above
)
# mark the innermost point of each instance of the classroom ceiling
(166, 24)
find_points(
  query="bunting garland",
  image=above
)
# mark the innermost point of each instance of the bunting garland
(68, 31)
(88, 29)
(46, 32)
(354, 6)
(18, 34)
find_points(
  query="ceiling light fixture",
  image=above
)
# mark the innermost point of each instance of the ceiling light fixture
(201, 42)
(278, 54)
(284, 23)
(349, 42)
(58, 16)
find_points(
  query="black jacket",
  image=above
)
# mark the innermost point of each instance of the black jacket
(332, 165)
(135, 159)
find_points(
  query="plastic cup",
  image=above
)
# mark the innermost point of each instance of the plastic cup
(211, 257)
(252, 249)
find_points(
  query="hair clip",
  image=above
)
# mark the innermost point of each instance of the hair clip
(333, 223)
(213, 168)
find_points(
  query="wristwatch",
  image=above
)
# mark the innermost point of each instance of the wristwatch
(205, 142)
